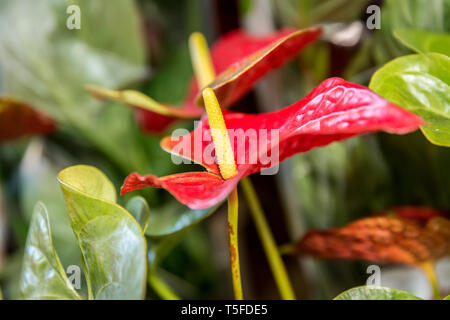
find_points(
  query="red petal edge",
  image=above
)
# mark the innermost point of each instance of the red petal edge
(197, 190)
(233, 48)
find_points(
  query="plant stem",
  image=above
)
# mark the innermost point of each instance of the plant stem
(273, 256)
(428, 269)
(204, 71)
(161, 288)
(233, 205)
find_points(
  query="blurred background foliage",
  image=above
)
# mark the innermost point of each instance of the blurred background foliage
(143, 45)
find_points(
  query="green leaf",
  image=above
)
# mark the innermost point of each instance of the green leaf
(418, 14)
(174, 218)
(424, 41)
(111, 240)
(419, 83)
(36, 180)
(43, 275)
(447, 298)
(108, 51)
(375, 293)
(168, 226)
(138, 207)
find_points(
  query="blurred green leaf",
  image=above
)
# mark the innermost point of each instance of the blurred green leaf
(305, 13)
(375, 293)
(431, 15)
(43, 276)
(447, 297)
(37, 172)
(421, 84)
(380, 46)
(45, 63)
(424, 41)
(111, 240)
(138, 207)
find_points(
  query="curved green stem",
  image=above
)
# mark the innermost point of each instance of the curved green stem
(273, 256)
(161, 288)
(428, 269)
(233, 242)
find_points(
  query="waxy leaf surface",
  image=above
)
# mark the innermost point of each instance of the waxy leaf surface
(419, 83)
(17, 120)
(43, 276)
(381, 239)
(334, 111)
(239, 58)
(375, 293)
(111, 241)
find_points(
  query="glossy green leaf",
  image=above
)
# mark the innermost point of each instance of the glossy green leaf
(421, 84)
(168, 226)
(43, 276)
(140, 210)
(424, 41)
(111, 240)
(375, 293)
(174, 218)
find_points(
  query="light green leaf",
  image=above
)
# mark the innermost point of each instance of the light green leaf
(424, 41)
(421, 84)
(111, 240)
(375, 293)
(43, 276)
(38, 169)
(447, 298)
(138, 207)
(45, 63)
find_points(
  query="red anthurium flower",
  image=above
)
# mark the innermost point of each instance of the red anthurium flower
(239, 60)
(18, 119)
(384, 239)
(334, 111)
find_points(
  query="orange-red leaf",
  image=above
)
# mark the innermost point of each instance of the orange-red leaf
(18, 119)
(381, 239)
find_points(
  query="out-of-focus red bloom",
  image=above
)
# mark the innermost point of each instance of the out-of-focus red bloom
(239, 60)
(334, 111)
(18, 119)
(419, 214)
(383, 239)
